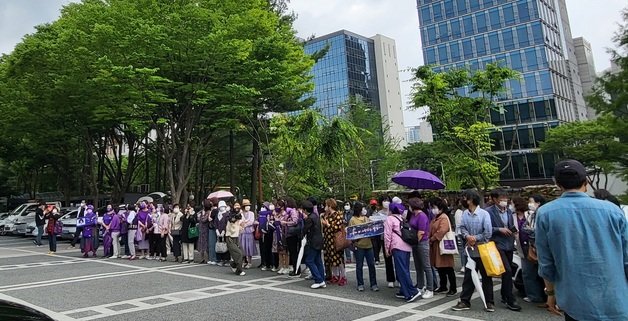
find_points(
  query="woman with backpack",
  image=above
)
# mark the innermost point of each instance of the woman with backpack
(53, 217)
(400, 251)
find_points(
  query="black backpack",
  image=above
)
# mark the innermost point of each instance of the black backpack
(408, 234)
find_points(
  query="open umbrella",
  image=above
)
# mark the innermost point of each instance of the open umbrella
(475, 276)
(220, 194)
(418, 179)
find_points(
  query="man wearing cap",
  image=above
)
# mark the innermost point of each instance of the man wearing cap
(582, 246)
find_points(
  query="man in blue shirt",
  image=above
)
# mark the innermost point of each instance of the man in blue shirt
(582, 246)
(476, 229)
(503, 225)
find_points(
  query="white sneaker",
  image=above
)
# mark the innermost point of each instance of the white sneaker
(391, 284)
(242, 273)
(462, 270)
(274, 269)
(126, 257)
(234, 269)
(318, 285)
(264, 268)
(427, 294)
(149, 258)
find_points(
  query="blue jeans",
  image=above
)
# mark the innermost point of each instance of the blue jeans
(402, 269)
(531, 281)
(40, 233)
(211, 244)
(314, 262)
(360, 255)
(424, 273)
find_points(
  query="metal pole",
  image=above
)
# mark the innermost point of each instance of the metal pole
(372, 176)
(442, 169)
(231, 158)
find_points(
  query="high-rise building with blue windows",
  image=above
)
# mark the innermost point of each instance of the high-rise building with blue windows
(530, 36)
(359, 67)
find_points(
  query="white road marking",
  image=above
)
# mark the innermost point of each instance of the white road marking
(57, 316)
(38, 264)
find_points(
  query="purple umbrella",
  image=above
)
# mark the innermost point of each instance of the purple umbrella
(418, 179)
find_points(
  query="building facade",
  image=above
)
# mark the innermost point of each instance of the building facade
(586, 69)
(421, 133)
(362, 68)
(530, 36)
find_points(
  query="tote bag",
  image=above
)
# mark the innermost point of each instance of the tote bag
(448, 244)
(491, 259)
(221, 245)
(193, 232)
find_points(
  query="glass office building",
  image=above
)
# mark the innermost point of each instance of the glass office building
(530, 36)
(347, 70)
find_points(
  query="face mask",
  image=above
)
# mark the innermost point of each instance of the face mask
(404, 214)
(143, 206)
(271, 207)
(436, 211)
(222, 209)
(109, 208)
(228, 208)
(363, 211)
(54, 211)
(511, 208)
(385, 204)
(503, 204)
(176, 210)
(237, 209)
(532, 207)
(347, 207)
(247, 208)
(82, 204)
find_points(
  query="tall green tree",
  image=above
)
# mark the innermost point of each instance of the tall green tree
(610, 97)
(460, 121)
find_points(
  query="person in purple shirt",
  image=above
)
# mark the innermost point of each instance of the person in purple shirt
(107, 238)
(144, 222)
(114, 230)
(89, 238)
(419, 221)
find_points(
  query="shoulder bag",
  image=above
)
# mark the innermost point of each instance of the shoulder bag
(448, 244)
(221, 245)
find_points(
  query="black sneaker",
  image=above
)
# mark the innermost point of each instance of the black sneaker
(399, 296)
(513, 306)
(441, 290)
(452, 293)
(490, 307)
(461, 306)
(294, 275)
(414, 297)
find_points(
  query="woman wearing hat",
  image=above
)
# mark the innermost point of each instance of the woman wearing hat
(247, 239)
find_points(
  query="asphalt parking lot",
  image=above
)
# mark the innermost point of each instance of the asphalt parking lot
(69, 287)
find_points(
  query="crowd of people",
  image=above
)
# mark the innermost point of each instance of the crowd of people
(230, 234)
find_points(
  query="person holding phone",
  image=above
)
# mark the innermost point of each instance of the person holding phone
(40, 221)
(504, 229)
(52, 215)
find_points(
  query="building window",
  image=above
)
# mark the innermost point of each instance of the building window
(461, 5)
(509, 41)
(498, 140)
(438, 13)
(468, 25)
(540, 110)
(454, 49)
(515, 61)
(480, 46)
(431, 55)
(493, 40)
(456, 31)
(474, 5)
(480, 21)
(525, 138)
(449, 9)
(522, 35)
(442, 54)
(467, 47)
(523, 10)
(509, 15)
(426, 15)
(443, 33)
(495, 19)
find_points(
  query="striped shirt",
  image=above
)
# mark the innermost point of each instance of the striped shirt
(476, 224)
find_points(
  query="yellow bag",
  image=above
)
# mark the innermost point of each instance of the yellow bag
(491, 259)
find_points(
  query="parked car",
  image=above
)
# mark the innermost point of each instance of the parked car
(22, 222)
(22, 210)
(3, 219)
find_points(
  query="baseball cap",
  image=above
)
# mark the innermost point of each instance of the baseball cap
(373, 202)
(568, 170)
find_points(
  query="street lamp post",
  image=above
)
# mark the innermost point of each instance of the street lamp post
(372, 173)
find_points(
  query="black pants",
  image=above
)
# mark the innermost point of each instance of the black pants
(161, 245)
(266, 250)
(176, 245)
(506, 290)
(445, 273)
(77, 236)
(468, 287)
(294, 244)
(377, 247)
(124, 240)
(390, 269)
(153, 244)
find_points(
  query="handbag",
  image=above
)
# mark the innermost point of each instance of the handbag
(532, 256)
(221, 245)
(58, 230)
(340, 240)
(448, 244)
(258, 233)
(193, 232)
(491, 259)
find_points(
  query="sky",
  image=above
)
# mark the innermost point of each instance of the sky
(595, 20)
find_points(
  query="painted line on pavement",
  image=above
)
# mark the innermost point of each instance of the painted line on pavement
(37, 264)
(55, 315)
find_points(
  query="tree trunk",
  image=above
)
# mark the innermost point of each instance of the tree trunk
(254, 171)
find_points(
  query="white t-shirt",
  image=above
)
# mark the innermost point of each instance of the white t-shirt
(458, 219)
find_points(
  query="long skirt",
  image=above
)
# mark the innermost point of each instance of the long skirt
(142, 243)
(89, 244)
(247, 244)
(107, 244)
